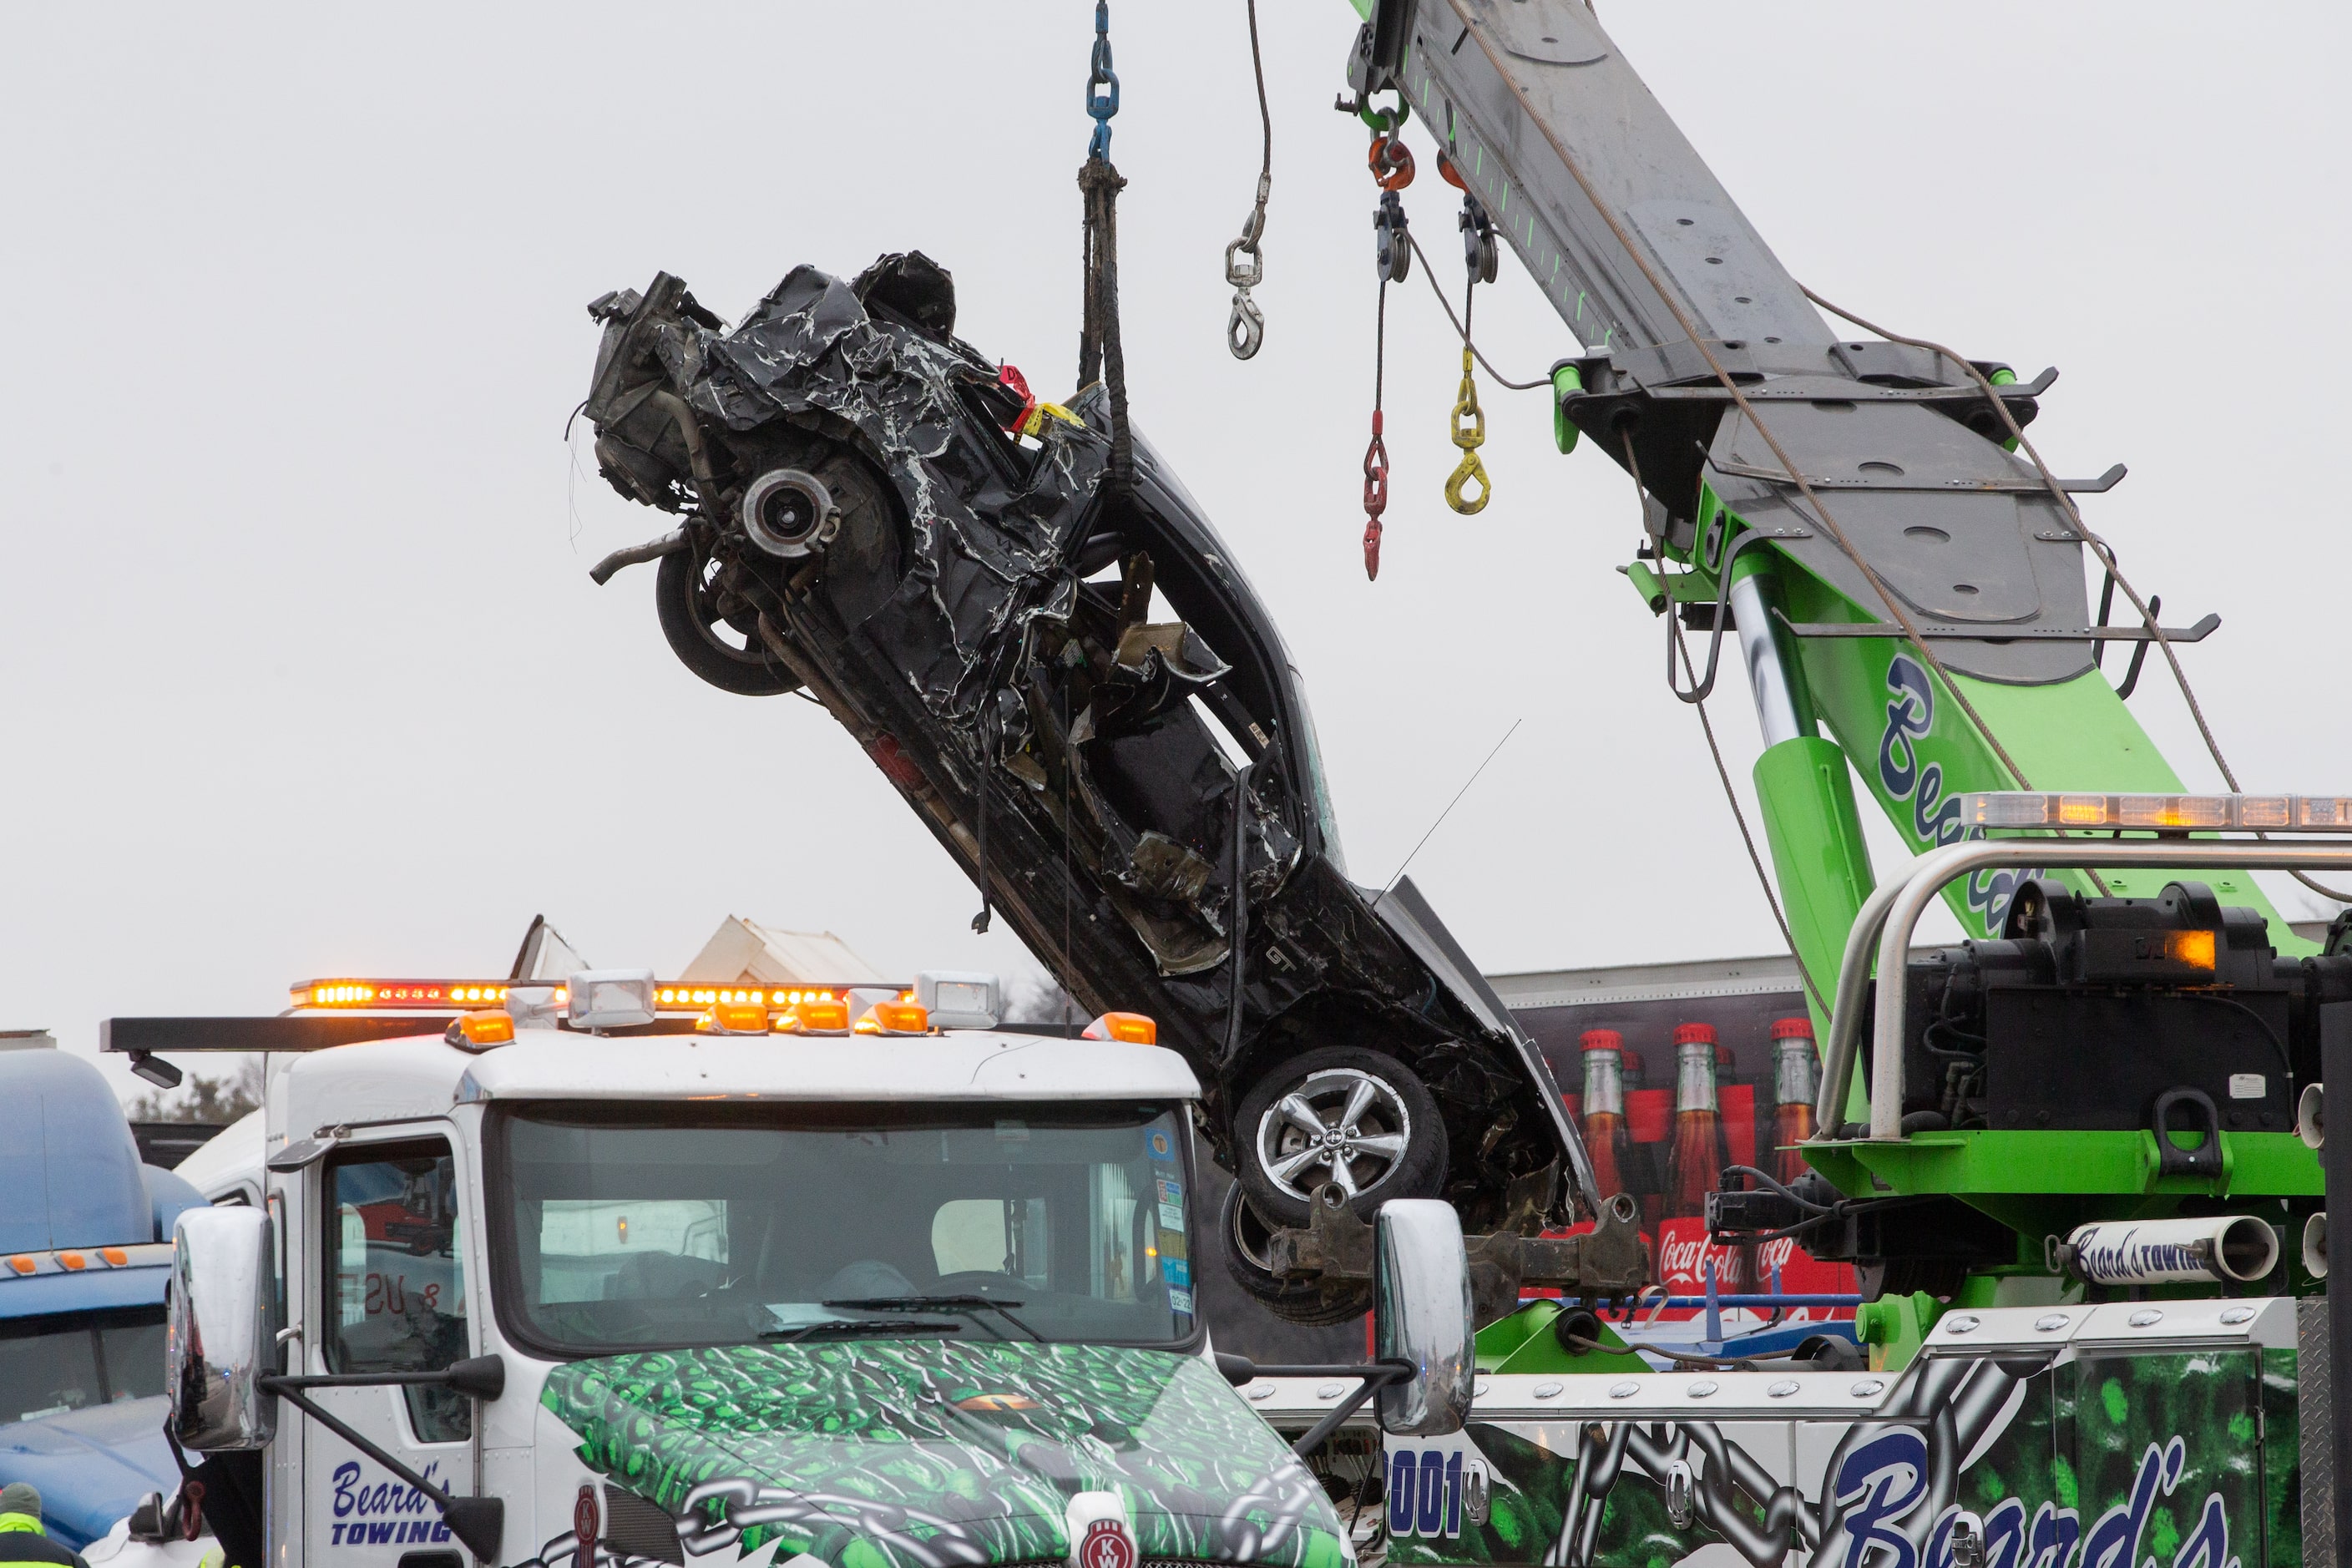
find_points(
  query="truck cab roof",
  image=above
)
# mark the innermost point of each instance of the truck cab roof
(425, 1076)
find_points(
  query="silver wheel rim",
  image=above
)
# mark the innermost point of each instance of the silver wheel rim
(1340, 1126)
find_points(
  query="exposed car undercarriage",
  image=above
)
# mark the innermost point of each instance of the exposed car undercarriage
(874, 512)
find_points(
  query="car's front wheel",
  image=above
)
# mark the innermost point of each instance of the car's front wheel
(1358, 1120)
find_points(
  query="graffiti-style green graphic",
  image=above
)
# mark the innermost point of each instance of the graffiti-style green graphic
(879, 1454)
(2185, 1460)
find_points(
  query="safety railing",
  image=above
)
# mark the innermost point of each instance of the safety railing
(1891, 913)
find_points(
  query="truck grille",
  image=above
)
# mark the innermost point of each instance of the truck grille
(634, 1527)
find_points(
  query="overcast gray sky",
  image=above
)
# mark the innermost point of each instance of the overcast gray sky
(303, 672)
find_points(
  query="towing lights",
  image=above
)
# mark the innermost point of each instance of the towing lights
(444, 995)
(392, 996)
(2152, 813)
(490, 1011)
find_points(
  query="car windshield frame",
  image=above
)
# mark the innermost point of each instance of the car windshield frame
(522, 1324)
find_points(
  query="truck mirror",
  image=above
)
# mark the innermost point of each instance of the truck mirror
(1420, 1315)
(220, 1337)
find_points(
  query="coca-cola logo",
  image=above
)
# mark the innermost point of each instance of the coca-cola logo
(1683, 1260)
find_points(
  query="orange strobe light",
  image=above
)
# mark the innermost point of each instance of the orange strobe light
(478, 1031)
(1135, 1029)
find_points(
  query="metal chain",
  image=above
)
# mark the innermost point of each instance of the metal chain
(1245, 328)
(1376, 456)
(1469, 437)
(1099, 351)
(1101, 105)
(1393, 250)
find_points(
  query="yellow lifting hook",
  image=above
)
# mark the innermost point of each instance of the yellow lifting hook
(1469, 437)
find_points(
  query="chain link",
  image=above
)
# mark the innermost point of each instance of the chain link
(1101, 105)
(1469, 437)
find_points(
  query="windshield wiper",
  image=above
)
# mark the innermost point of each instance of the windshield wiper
(939, 1304)
(850, 1328)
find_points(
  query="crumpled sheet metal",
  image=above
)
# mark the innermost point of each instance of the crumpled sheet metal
(1111, 808)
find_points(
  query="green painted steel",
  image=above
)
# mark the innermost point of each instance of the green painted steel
(1819, 858)
(1524, 1342)
(1917, 752)
(1895, 1326)
(1564, 380)
(2073, 1162)
(1645, 582)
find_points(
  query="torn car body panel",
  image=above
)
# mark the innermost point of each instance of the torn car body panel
(1130, 790)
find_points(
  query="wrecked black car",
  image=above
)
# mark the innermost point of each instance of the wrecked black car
(1085, 701)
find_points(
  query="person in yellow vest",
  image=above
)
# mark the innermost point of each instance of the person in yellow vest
(22, 1538)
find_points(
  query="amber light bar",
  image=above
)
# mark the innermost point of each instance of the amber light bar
(2195, 813)
(446, 995)
(687, 998)
(395, 996)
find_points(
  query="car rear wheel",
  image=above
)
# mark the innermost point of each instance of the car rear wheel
(1305, 1302)
(729, 656)
(1359, 1120)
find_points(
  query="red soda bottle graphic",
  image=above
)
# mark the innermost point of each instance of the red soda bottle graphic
(1607, 1139)
(1701, 1147)
(1796, 1079)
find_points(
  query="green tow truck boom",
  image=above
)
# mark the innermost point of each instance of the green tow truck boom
(1849, 520)
(2098, 1116)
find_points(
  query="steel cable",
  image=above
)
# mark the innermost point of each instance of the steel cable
(2100, 551)
(1462, 327)
(1748, 409)
(1675, 644)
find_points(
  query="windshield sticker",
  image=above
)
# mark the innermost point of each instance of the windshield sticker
(1180, 1302)
(1177, 1272)
(1172, 1216)
(1169, 1193)
(1159, 1145)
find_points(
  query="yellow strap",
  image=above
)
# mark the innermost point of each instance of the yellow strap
(1035, 423)
(1471, 470)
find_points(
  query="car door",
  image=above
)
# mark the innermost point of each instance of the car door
(389, 1293)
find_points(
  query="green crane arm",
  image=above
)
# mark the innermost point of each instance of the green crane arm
(1898, 578)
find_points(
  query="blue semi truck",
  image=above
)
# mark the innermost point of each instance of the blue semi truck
(85, 1249)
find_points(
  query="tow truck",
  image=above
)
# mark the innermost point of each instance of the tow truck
(2078, 1158)
(616, 1272)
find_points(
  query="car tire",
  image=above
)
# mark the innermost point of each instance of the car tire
(1391, 1143)
(704, 641)
(1242, 1239)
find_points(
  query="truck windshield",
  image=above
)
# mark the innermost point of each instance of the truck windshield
(56, 1365)
(628, 1227)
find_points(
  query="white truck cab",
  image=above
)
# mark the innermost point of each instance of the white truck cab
(783, 1287)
